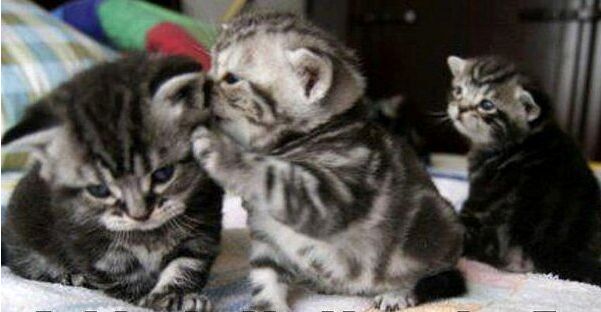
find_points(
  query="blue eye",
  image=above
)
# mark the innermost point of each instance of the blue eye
(99, 190)
(231, 78)
(486, 105)
(163, 174)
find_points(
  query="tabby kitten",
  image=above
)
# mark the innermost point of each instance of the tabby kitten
(115, 201)
(534, 204)
(334, 202)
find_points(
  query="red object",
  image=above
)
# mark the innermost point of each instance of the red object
(170, 38)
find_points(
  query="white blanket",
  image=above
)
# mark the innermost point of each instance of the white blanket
(489, 289)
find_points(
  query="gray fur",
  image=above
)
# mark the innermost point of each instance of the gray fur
(333, 200)
(534, 203)
(114, 127)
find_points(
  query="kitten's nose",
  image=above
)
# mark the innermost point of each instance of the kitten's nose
(140, 216)
(135, 203)
(136, 214)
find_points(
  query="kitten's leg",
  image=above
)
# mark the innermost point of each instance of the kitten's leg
(269, 280)
(303, 196)
(395, 300)
(179, 285)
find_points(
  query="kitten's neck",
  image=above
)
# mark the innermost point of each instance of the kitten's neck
(357, 112)
(515, 141)
(535, 142)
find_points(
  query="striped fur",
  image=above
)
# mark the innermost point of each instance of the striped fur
(534, 205)
(495, 80)
(115, 200)
(334, 202)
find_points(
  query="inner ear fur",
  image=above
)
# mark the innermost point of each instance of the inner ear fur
(314, 71)
(533, 110)
(456, 65)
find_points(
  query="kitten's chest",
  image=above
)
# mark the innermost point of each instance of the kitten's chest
(149, 259)
(492, 185)
(134, 260)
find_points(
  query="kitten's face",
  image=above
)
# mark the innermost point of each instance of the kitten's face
(487, 103)
(119, 152)
(271, 84)
(145, 198)
(254, 93)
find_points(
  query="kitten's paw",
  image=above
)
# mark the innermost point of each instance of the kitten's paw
(263, 305)
(203, 143)
(73, 280)
(395, 300)
(517, 261)
(176, 302)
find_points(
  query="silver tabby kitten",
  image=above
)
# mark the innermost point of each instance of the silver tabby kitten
(115, 200)
(334, 202)
(534, 203)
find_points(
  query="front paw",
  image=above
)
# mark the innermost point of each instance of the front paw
(73, 280)
(203, 143)
(395, 300)
(267, 306)
(176, 302)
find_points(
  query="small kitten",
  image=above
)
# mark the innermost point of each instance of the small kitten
(534, 204)
(334, 202)
(115, 200)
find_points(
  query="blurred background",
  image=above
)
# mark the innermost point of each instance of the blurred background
(403, 46)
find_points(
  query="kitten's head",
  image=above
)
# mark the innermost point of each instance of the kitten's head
(113, 143)
(275, 74)
(490, 102)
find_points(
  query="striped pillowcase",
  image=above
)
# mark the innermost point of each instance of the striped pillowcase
(38, 53)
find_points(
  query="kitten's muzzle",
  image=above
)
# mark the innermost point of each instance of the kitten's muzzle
(141, 211)
(139, 214)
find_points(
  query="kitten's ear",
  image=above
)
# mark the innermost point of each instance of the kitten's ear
(34, 132)
(532, 109)
(314, 72)
(456, 65)
(179, 88)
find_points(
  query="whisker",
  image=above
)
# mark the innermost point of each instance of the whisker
(199, 49)
(442, 120)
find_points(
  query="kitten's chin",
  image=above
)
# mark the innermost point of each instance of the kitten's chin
(475, 137)
(157, 219)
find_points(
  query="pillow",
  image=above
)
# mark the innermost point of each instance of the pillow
(38, 53)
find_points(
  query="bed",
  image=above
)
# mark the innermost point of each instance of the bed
(489, 289)
(28, 74)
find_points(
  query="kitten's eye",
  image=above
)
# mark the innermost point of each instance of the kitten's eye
(163, 174)
(230, 78)
(99, 190)
(486, 105)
